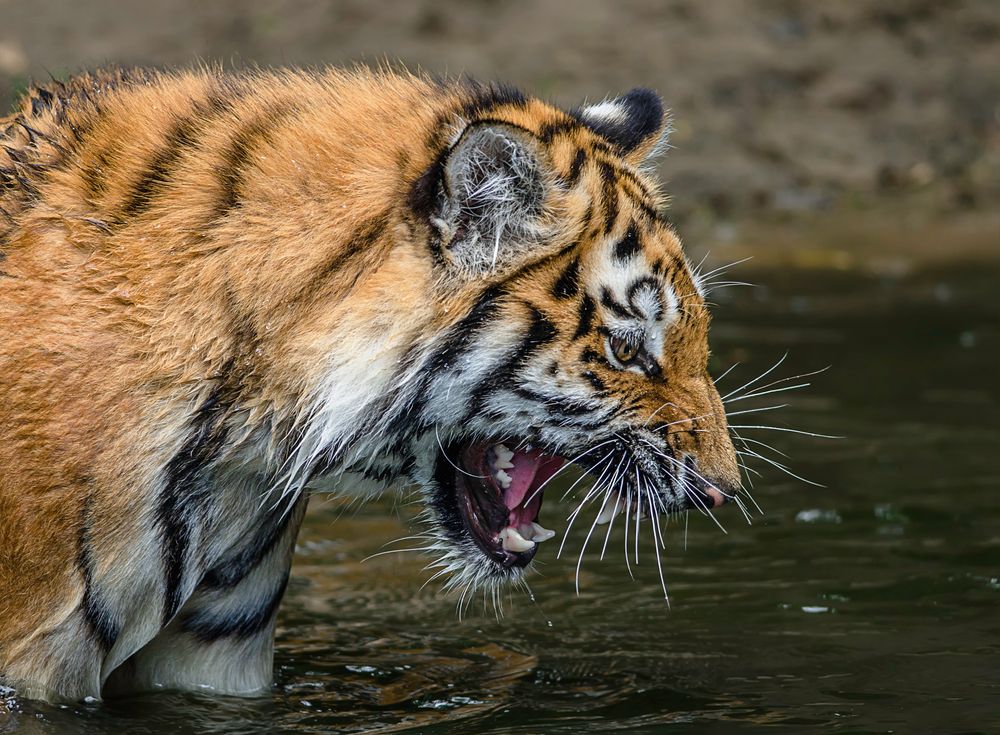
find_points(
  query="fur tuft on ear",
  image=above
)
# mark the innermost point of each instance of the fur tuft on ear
(635, 124)
(494, 192)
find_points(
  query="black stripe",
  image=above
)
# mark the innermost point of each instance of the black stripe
(540, 332)
(550, 130)
(556, 404)
(576, 168)
(590, 355)
(458, 339)
(609, 186)
(231, 569)
(92, 175)
(100, 619)
(461, 336)
(629, 246)
(614, 306)
(358, 245)
(591, 377)
(579, 424)
(567, 285)
(649, 365)
(186, 491)
(484, 98)
(42, 101)
(236, 157)
(585, 317)
(653, 285)
(180, 137)
(208, 626)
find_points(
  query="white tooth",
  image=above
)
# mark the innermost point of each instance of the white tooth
(504, 456)
(514, 541)
(503, 478)
(609, 512)
(540, 534)
(526, 530)
(606, 515)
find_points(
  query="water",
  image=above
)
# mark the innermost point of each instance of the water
(867, 606)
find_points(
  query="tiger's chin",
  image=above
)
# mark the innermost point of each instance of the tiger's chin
(487, 503)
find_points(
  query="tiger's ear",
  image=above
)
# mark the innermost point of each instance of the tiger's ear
(635, 124)
(494, 193)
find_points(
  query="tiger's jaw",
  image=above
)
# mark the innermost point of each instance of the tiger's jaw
(490, 494)
(486, 498)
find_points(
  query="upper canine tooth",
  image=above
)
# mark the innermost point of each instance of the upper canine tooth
(540, 533)
(503, 478)
(514, 541)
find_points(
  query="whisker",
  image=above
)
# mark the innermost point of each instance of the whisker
(568, 463)
(756, 410)
(778, 465)
(590, 493)
(583, 549)
(759, 377)
(767, 392)
(726, 372)
(445, 455)
(611, 523)
(790, 378)
(782, 428)
(746, 439)
(656, 543)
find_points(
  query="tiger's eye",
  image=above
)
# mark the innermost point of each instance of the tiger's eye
(623, 350)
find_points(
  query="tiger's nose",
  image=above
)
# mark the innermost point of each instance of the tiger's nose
(716, 496)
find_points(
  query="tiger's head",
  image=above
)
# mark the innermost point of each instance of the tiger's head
(576, 331)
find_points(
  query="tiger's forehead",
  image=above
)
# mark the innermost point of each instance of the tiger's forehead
(638, 276)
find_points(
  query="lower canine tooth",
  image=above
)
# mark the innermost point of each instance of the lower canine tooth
(514, 541)
(609, 512)
(539, 533)
(503, 478)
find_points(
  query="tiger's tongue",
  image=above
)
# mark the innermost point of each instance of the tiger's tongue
(530, 470)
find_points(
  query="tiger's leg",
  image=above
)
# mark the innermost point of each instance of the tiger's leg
(222, 639)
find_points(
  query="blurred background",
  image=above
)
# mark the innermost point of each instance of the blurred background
(838, 115)
(853, 150)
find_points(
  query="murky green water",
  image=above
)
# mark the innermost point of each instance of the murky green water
(870, 605)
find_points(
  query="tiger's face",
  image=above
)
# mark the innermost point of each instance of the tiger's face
(586, 343)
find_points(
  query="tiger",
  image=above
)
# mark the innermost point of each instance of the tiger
(222, 292)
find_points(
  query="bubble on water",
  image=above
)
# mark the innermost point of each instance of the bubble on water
(361, 669)
(815, 609)
(817, 515)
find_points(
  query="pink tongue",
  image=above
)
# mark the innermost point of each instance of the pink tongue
(530, 470)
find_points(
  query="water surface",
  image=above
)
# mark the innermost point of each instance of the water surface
(869, 605)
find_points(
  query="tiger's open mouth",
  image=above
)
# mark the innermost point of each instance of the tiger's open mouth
(489, 495)
(495, 492)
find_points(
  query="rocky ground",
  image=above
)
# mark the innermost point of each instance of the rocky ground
(832, 117)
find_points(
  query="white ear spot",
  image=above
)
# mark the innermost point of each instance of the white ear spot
(608, 112)
(635, 124)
